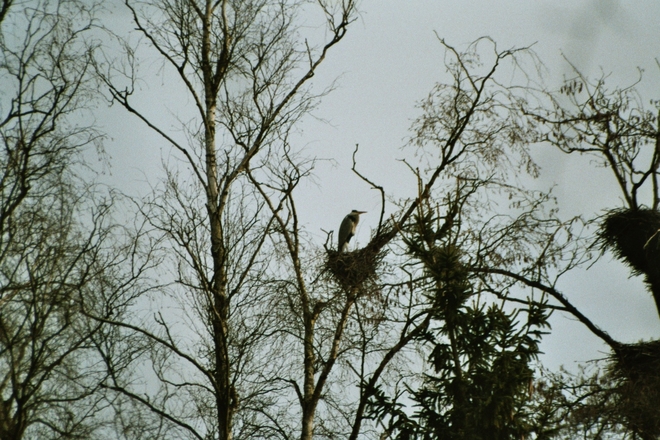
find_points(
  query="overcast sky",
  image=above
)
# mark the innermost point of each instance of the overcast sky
(391, 58)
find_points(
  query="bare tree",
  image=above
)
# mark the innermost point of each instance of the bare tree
(246, 71)
(57, 249)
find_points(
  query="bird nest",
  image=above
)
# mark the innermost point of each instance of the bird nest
(633, 235)
(355, 271)
(636, 368)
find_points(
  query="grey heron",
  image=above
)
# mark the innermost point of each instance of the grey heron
(347, 229)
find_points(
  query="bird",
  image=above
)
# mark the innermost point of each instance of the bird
(347, 229)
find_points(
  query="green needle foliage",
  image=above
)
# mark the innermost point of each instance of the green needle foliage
(480, 351)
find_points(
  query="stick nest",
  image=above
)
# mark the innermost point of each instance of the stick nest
(633, 236)
(356, 270)
(636, 367)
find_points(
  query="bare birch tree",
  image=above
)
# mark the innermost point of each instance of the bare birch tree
(245, 68)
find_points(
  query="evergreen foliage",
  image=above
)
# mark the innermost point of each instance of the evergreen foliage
(480, 352)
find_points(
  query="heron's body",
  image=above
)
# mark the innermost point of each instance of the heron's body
(347, 229)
